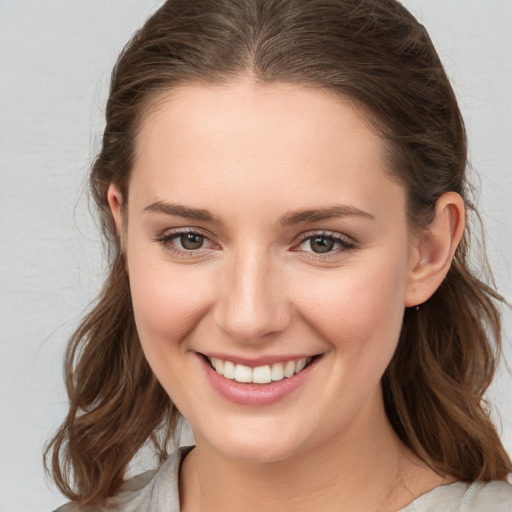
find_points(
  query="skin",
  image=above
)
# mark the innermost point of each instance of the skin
(252, 155)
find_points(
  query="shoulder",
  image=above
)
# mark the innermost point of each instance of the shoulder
(495, 496)
(462, 497)
(152, 491)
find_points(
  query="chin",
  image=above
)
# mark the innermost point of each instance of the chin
(257, 443)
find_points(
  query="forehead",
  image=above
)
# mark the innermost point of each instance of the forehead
(254, 109)
(272, 142)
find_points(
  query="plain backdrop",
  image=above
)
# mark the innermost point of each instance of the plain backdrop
(55, 61)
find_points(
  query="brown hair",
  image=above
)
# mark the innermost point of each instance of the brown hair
(376, 53)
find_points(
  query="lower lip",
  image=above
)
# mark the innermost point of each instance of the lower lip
(256, 395)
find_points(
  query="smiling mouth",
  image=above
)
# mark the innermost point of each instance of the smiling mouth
(260, 374)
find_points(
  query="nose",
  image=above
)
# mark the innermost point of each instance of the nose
(252, 303)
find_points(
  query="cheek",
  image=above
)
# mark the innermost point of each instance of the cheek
(359, 308)
(168, 300)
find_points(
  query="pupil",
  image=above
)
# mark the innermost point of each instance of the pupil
(322, 244)
(191, 241)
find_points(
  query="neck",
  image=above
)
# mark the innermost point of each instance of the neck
(367, 469)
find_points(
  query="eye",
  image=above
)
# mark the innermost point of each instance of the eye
(321, 244)
(325, 243)
(185, 242)
(190, 241)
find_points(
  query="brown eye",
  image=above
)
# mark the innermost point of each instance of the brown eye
(322, 244)
(191, 241)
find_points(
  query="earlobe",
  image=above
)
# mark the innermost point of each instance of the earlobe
(115, 202)
(433, 249)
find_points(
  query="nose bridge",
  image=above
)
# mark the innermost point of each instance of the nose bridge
(253, 302)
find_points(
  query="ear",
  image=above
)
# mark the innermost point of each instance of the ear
(433, 248)
(116, 204)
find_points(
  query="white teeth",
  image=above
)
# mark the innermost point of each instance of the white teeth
(218, 364)
(301, 364)
(243, 373)
(259, 374)
(229, 370)
(277, 371)
(289, 369)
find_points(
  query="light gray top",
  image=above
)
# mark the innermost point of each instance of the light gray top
(157, 491)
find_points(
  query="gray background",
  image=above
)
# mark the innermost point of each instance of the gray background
(55, 59)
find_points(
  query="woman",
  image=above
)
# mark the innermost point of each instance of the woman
(282, 183)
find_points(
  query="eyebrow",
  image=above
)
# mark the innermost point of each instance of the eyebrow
(288, 219)
(182, 211)
(318, 214)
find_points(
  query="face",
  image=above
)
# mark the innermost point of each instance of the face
(263, 233)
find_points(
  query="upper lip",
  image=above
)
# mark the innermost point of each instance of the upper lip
(257, 361)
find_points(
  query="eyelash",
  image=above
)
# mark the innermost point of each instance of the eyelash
(166, 241)
(344, 243)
